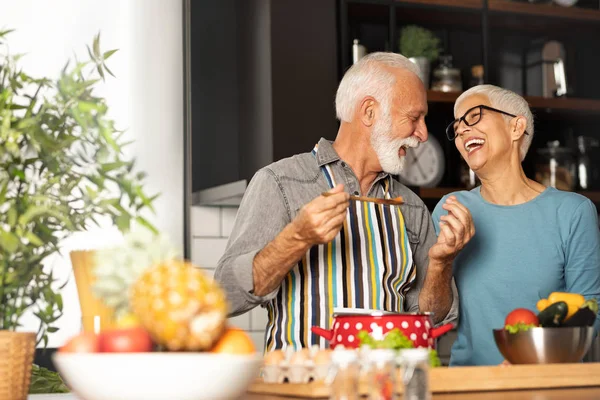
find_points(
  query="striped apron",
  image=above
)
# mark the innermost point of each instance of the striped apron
(367, 265)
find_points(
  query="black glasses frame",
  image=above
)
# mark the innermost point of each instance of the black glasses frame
(451, 133)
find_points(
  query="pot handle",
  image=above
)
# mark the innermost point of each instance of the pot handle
(324, 333)
(440, 330)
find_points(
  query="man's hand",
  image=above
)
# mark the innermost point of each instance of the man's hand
(456, 229)
(320, 220)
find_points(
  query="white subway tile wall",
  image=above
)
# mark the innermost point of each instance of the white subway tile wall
(206, 252)
(241, 321)
(259, 340)
(258, 319)
(208, 271)
(227, 219)
(206, 222)
(211, 226)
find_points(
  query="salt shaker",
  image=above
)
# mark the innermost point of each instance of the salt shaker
(381, 375)
(415, 374)
(345, 370)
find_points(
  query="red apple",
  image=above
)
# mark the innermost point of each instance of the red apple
(129, 340)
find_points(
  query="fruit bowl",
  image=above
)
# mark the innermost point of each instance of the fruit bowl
(545, 345)
(158, 375)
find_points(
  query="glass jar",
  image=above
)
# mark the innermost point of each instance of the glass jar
(381, 376)
(446, 78)
(345, 373)
(588, 172)
(415, 373)
(555, 167)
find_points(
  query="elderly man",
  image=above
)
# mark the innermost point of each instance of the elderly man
(301, 246)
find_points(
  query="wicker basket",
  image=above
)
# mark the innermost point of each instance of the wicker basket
(17, 350)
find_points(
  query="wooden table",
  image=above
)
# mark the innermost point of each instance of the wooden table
(547, 394)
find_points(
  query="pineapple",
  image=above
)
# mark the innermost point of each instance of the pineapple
(179, 306)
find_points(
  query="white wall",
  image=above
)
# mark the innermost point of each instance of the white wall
(211, 226)
(146, 98)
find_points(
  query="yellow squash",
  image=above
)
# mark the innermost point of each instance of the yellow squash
(574, 301)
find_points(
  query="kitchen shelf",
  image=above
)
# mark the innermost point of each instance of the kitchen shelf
(471, 4)
(512, 7)
(433, 96)
(545, 10)
(437, 193)
(562, 103)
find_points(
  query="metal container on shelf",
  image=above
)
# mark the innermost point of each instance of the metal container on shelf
(545, 69)
(555, 167)
(445, 77)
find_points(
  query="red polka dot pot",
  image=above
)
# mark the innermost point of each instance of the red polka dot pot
(346, 325)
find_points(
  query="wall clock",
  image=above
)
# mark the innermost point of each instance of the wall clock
(424, 165)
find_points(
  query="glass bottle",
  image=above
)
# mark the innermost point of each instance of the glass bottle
(415, 374)
(358, 51)
(345, 370)
(476, 75)
(381, 375)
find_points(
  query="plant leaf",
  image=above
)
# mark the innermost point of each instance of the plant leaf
(108, 70)
(123, 222)
(109, 53)
(142, 221)
(34, 239)
(97, 45)
(9, 241)
(11, 215)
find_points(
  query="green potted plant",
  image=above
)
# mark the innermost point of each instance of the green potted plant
(61, 168)
(421, 46)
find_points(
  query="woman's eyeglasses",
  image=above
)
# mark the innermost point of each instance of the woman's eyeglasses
(470, 118)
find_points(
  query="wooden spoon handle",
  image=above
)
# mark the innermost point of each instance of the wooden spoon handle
(394, 202)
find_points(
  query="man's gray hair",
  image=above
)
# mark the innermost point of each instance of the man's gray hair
(369, 77)
(508, 101)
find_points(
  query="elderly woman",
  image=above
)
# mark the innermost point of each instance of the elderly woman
(530, 240)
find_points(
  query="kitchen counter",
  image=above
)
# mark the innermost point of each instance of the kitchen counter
(552, 394)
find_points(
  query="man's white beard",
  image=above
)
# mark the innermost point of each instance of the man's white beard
(387, 148)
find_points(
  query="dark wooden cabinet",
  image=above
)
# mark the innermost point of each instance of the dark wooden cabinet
(263, 80)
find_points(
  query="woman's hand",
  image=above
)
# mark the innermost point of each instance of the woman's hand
(456, 229)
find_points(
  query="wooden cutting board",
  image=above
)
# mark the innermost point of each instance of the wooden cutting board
(466, 379)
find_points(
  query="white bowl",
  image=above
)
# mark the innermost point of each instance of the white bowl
(158, 376)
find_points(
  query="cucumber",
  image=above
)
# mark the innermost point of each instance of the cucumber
(554, 314)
